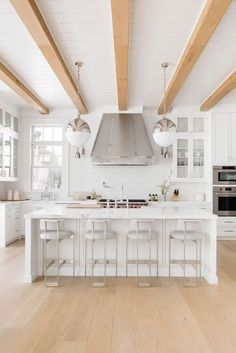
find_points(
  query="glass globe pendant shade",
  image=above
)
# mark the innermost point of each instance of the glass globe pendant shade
(78, 132)
(164, 132)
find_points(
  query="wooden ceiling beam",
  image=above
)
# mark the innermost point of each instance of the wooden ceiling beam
(225, 87)
(121, 22)
(21, 89)
(209, 19)
(36, 25)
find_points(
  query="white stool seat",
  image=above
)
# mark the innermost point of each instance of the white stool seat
(141, 235)
(52, 234)
(189, 235)
(99, 235)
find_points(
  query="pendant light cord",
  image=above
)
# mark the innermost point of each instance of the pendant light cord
(164, 66)
(79, 65)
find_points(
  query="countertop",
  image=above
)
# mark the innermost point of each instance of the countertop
(141, 213)
(151, 204)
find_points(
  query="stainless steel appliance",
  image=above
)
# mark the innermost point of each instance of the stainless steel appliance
(224, 175)
(130, 203)
(224, 200)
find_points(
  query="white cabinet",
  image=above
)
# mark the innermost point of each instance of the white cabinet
(10, 226)
(226, 228)
(189, 149)
(9, 147)
(224, 142)
(12, 220)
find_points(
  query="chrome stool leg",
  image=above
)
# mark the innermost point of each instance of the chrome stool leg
(105, 257)
(126, 260)
(150, 258)
(116, 245)
(85, 257)
(74, 255)
(44, 260)
(58, 260)
(157, 254)
(200, 257)
(92, 257)
(169, 255)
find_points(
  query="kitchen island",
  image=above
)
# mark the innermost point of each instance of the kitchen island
(165, 220)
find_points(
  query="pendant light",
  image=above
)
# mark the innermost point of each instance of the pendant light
(164, 131)
(78, 131)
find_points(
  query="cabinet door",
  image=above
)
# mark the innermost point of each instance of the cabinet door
(15, 124)
(8, 120)
(198, 158)
(7, 156)
(220, 138)
(182, 158)
(231, 138)
(15, 158)
(1, 117)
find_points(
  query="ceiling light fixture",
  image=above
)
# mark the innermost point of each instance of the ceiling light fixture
(78, 131)
(164, 131)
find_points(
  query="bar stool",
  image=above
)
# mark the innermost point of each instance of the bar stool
(187, 236)
(100, 230)
(138, 234)
(52, 230)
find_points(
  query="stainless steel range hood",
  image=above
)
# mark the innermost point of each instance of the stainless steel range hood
(122, 140)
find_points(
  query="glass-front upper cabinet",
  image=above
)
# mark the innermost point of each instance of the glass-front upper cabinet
(1, 117)
(9, 146)
(15, 159)
(182, 158)
(15, 124)
(8, 120)
(7, 156)
(198, 158)
(189, 149)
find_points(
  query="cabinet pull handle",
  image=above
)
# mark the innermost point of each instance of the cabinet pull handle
(228, 231)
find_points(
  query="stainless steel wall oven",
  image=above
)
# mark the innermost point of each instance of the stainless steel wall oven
(224, 200)
(224, 175)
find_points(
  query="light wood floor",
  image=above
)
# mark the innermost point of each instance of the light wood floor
(77, 318)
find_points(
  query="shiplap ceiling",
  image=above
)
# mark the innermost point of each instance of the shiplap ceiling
(82, 30)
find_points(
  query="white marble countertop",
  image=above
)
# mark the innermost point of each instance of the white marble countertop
(70, 201)
(59, 211)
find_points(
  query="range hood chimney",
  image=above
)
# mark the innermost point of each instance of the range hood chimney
(122, 140)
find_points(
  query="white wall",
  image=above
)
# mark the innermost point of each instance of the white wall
(83, 176)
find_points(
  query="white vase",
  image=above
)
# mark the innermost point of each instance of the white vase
(162, 197)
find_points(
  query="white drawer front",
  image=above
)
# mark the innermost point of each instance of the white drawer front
(227, 222)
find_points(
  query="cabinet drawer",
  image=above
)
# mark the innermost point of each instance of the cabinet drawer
(229, 222)
(227, 232)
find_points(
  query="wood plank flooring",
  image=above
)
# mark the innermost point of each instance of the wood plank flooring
(77, 318)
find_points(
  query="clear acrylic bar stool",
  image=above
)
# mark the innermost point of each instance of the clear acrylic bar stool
(141, 230)
(190, 234)
(53, 230)
(100, 231)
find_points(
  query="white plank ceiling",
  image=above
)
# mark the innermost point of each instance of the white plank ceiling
(83, 30)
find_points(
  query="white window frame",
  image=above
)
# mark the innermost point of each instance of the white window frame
(53, 143)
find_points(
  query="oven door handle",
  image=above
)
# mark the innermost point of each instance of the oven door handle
(229, 195)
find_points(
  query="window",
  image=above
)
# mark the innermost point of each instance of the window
(47, 154)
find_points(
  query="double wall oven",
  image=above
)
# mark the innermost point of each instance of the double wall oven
(224, 190)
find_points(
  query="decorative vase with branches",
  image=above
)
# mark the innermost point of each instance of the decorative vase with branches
(165, 187)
